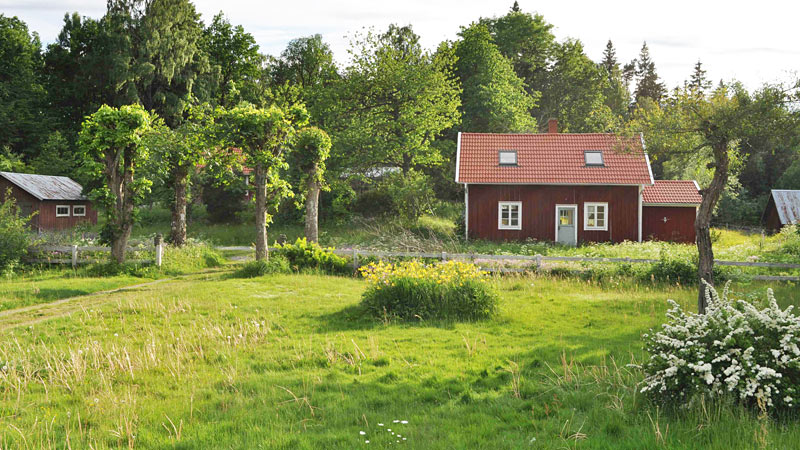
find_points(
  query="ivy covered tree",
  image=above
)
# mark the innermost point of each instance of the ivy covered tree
(112, 151)
(307, 160)
(263, 135)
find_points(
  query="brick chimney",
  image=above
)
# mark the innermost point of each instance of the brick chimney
(552, 126)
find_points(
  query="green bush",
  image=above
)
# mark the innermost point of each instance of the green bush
(303, 255)
(276, 264)
(416, 291)
(14, 234)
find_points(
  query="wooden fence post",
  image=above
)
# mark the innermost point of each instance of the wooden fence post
(159, 249)
(538, 262)
(444, 256)
(74, 256)
(355, 259)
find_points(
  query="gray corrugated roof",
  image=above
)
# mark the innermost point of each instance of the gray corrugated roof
(46, 187)
(788, 205)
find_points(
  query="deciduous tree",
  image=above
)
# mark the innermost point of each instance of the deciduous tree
(112, 150)
(263, 135)
(307, 160)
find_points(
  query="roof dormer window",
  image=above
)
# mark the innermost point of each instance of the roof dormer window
(593, 158)
(507, 157)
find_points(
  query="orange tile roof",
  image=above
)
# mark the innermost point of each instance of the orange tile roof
(672, 191)
(551, 158)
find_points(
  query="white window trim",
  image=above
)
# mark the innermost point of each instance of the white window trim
(63, 206)
(586, 226)
(76, 214)
(500, 225)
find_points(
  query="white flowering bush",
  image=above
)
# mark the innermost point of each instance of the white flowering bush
(734, 349)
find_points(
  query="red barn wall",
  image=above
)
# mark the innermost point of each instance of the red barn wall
(45, 219)
(539, 211)
(26, 202)
(679, 226)
(49, 221)
(772, 221)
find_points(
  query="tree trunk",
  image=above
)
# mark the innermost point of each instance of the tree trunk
(177, 234)
(260, 176)
(702, 224)
(123, 220)
(312, 211)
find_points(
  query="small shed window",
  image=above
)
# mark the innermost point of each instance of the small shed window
(509, 215)
(62, 210)
(595, 216)
(593, 158)
(79, 210)
(507, 157)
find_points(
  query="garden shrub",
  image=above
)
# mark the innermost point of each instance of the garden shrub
(303, 255)
(735, 349)
(413, 290)
(275, 265)
(14, 234)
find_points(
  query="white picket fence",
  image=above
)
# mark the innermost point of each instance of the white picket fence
(539, 260)
(56, 254)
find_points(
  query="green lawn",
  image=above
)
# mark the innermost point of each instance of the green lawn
(292, 362)
(49, 285)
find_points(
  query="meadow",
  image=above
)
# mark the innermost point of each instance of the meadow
(293, 361)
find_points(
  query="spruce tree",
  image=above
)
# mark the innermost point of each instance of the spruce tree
(699, 82)
(609, 61)
(648, 84)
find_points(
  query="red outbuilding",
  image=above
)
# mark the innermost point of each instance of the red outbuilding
(58, 201)
(564, 187)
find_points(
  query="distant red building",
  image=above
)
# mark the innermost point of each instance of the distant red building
(569, 188)
(58, 201)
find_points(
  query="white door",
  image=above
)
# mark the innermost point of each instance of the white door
(566, 231)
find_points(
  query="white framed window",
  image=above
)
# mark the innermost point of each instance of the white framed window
(79, 210)
(595, 216)
(509, 215)
(593, 158)
(62, 210)
(507, 157)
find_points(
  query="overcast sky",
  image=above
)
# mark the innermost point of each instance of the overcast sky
(754, 42)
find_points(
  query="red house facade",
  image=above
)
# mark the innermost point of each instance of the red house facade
(567, 188)
(57, 201)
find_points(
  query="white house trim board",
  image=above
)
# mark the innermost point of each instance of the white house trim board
(458, 155)
(575, 219)
(647, 159)
(500, 225)
(466, 211)
(682, 205)
(641, 189)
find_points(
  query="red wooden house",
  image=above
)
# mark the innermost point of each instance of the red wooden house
(568, 188)
(58, 201)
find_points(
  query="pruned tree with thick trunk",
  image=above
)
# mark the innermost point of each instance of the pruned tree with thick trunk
(263, 135)
(695, 126)
(309, 153)
(112, 149)
(177, 152)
